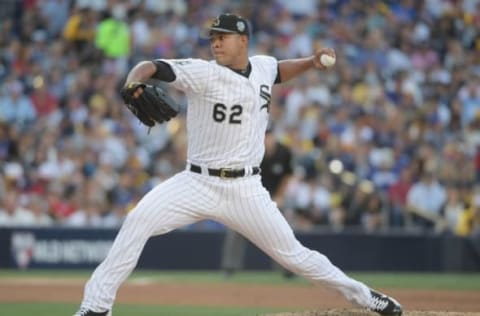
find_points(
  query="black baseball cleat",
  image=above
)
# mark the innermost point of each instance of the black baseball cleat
(384, 305)
(87, 312)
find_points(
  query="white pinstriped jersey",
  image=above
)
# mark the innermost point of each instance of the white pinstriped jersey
(227, 113)
(226, 121)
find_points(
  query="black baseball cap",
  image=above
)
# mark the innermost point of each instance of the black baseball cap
(229, 23)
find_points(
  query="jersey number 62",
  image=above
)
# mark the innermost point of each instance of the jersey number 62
(221, 111)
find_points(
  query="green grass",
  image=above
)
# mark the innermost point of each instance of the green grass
(440, 281)
(44, 309)
(450, 281)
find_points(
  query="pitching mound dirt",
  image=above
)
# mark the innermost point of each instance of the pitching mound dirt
(356, 312)
(316, 301)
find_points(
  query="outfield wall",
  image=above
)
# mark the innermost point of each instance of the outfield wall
(354, 251)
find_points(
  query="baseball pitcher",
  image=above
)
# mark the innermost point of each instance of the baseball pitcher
(227, 115)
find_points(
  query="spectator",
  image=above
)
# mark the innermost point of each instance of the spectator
(16, 108)
(470, 98)
(79, 30)
(12, 214)
(357, 204)
(39, 208)
(469, 222)
(404, 92)
(397, 194)
(477, 164)
(43, 101)
(375, 216)
(426, 211)
(453, 210)
(113, 38)
(89, 215)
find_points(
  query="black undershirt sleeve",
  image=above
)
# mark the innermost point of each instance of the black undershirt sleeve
(278, 79)
(164, 71)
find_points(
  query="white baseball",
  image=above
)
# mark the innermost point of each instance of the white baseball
(327, 60)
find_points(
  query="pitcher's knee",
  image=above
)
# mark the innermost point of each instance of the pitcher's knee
(305, 262)
(138, 216)
(152, 222)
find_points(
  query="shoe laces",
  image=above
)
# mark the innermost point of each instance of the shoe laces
(81, 312)
(378, 303)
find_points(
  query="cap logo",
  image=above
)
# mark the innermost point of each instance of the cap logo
(216, 22)
(240, 26)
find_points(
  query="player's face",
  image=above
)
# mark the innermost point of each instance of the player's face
(228, 49)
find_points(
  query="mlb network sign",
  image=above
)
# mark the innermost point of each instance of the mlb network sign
(30, 250)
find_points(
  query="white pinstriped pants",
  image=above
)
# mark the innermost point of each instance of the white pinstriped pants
(243, 204)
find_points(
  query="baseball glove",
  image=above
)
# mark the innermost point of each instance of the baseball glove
(151, 105)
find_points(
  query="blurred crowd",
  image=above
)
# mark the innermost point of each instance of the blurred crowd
(387, 139)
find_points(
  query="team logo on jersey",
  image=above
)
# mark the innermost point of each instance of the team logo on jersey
(182, 62)
(240, 26)
(265, 94)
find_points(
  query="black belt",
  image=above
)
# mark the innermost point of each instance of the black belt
(224, 172)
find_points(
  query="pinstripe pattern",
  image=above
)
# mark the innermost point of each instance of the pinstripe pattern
(179, 201)
(257, 217)
(220, 145)
(242, 203)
